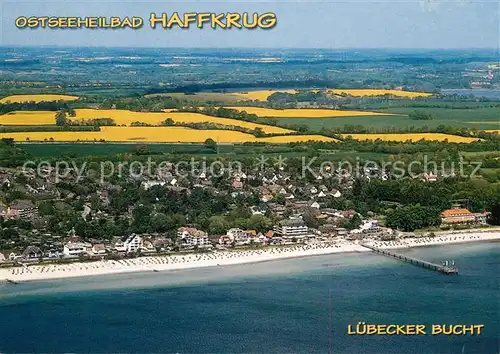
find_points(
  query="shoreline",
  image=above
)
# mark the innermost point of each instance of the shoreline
(438, 240)
(223, 258)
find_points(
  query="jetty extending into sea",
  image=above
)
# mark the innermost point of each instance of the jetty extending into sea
(445, 269)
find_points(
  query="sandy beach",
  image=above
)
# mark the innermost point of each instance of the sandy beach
(222, 258)
(175, 262)
(439, 239)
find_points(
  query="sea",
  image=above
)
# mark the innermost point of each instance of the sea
(301, 305)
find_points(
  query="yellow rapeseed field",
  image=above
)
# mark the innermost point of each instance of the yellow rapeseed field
(261, 95)
(493, 131)
(305, 113)
(155, 118)
(187, 117)
(28, 118)
(413, 137)
(37, 98)
(120, 116)
(376, 92)
(155, 135)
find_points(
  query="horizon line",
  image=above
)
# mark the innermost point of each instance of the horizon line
(254, 48)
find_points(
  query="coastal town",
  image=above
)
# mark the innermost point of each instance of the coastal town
(284, 217)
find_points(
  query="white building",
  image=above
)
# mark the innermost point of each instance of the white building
(99, 249)
(192, 237)
(75, 249)
(148, 184)
(292, 228)
(370, 227)
(241, 237)
(133, 243)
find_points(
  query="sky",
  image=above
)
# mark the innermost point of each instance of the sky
(301, 24)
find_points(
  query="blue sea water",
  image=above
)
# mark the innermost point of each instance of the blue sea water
(291, 306)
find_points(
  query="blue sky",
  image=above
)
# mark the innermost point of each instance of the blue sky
(301, 24)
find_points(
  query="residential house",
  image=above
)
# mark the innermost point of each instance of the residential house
(148, 246)
(457, 216)
(237, 236)
(32, 252)
(340, 231)
(312, 190)
(322, 188)
(2, 258)
(13, 256)
(99, 249)
(335, 193)
(192, 237)
(330, 212)
(370, 227)
(298, 204)
(237, 183)
(225, 240)
(428, 177)
(259, 209)
(133, 243)
(162, 244)
(348, 213)
(53, 254)
(481, 218)
(313, 204)
(23, 209)
(75, 249)
(148, 184)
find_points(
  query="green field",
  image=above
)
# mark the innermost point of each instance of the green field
(104, 149)
(76, 150)
(480, 118)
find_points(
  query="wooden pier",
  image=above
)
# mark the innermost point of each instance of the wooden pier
(450, 270)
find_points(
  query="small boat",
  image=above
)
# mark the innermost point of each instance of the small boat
(11, 281)
(155, 270)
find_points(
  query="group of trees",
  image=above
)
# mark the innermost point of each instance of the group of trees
(63, 121)
(420, 115)
(412, 217)
(33, 106)
(257, 132)
(222, 112)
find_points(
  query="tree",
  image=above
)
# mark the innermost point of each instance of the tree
(46, 208)
(218, 225)
(61, 118)
(211, 144)
(494, 217)
(258, 132)
(412, 217)
(141, 149)
(142, 218)
(310, 219)
(353, 222)
(260, 223)
(168, 122)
